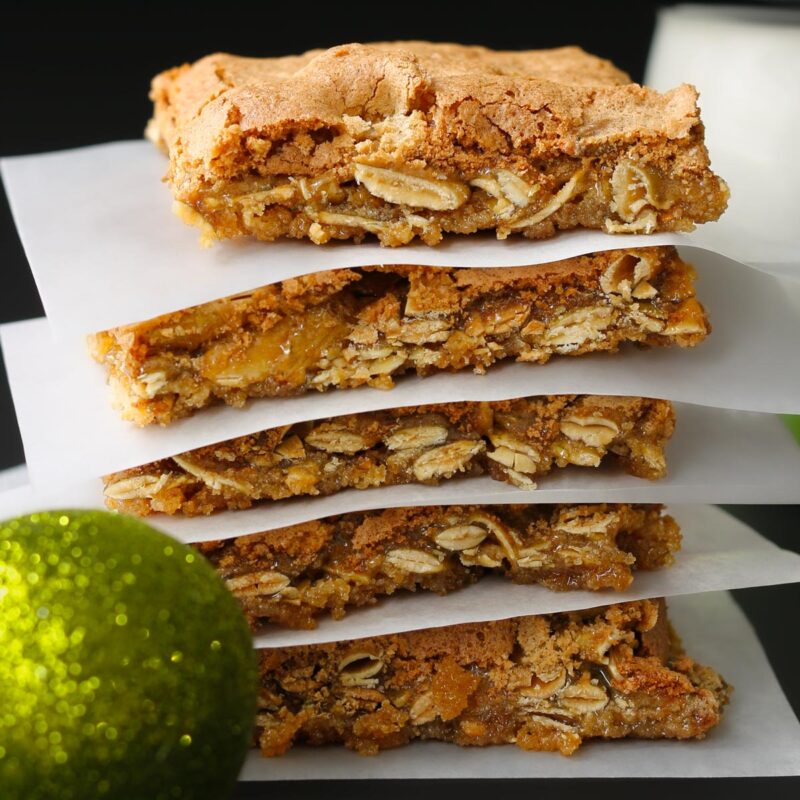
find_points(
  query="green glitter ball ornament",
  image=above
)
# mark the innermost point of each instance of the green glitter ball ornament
(127, 670)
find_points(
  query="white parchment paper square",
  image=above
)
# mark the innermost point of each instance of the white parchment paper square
(96, 223)
(13, 478)
(718, 552)
(710, 460)
(759, 734)
(749, 362)
(742, 58)
(715, 456)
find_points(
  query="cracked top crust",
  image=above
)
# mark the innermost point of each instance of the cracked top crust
(445, 105)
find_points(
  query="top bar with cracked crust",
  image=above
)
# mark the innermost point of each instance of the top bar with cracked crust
(413, 139)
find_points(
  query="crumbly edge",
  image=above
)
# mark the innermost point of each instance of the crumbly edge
(290, 576)
(352, 327)
(515, 441)
(545, 682)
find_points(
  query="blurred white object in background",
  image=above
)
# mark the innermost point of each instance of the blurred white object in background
(745, 62)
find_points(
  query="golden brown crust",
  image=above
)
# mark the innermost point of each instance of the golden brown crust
(290, 576)
(513, 440)
(545, 683)
(443, 110)
(370, 81)
(562, 100)
(350, 327)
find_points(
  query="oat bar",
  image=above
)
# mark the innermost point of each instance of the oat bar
(290, 576)
(545, 682)
(515, 441)
(412, 139)
(351, 327)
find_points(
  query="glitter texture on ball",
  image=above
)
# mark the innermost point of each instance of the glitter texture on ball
(126, 667)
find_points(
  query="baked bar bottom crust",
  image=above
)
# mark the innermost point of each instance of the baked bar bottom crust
(353, 327)
(516, 441)
(290, 576)
(545, 682)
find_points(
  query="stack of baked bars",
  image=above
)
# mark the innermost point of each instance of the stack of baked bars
(412, 141)
(352, 438)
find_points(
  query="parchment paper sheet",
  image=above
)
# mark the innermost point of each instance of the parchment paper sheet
(718, 552)
(96, 225)
(711, 459)
(758, 736)
(748, 362)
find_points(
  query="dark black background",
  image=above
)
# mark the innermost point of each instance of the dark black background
(77, 74)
